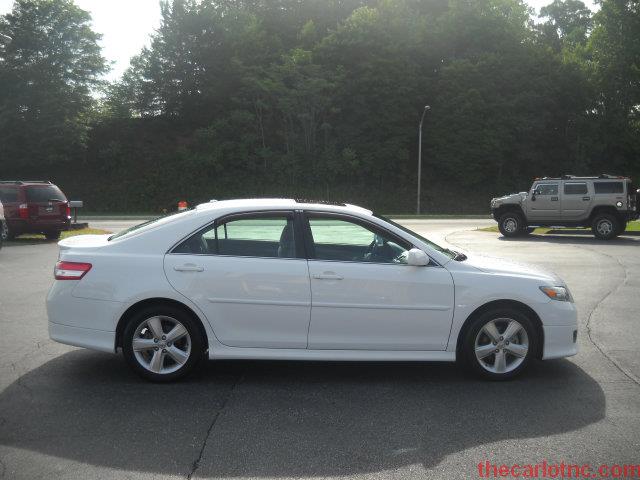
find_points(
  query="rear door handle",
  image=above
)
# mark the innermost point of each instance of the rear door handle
(328, 276)
(554, 199)
(586, 199)
(188, 268)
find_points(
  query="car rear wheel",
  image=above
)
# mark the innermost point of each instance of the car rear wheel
(511, 224)
(55, 235)
(605, 226)
(162, 343)
(499, 344)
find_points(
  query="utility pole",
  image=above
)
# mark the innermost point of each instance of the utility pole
(427, 107)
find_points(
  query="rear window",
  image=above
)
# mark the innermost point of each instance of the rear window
(8, 194)
(608, 187)
(44, 193)
(148, 225)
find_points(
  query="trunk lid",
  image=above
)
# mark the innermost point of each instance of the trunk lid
(84, 242)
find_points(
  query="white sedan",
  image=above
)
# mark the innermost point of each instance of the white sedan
(289, 280)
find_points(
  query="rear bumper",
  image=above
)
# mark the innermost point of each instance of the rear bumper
(37, 226)
(81, 322)
(83, 337)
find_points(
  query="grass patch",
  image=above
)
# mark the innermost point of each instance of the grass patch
(31, 238)
(633, 226)
(494, 229)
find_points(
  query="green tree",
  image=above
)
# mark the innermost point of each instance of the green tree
(568, 22)
(50, 64)
(615, 47)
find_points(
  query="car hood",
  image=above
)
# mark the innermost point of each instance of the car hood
(499, 266)
(512, 197)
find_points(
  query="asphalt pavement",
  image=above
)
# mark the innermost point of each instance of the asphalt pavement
(70, 413)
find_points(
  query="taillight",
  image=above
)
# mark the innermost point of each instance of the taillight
(68, 211)
(71, 270)
(23, 211)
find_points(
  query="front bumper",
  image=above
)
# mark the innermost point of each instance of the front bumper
(560, 328)
(560, 342)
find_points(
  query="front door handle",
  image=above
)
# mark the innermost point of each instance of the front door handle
(586, 199)
(328, 276)
(188, 268)
(554, 199)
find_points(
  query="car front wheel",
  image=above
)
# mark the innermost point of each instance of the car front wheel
(605, 226)
(499, 344)
(511, 224)
(162, 343)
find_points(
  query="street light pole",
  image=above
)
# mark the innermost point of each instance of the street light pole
(427, 107)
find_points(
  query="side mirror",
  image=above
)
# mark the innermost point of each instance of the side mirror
(533, 196)
(417, 258)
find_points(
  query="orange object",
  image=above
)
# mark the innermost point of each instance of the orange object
(182, 205)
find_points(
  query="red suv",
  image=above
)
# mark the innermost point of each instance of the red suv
(34, 206)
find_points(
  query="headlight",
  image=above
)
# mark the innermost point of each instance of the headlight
(557, 293)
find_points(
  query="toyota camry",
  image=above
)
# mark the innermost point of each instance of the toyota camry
(295, 280)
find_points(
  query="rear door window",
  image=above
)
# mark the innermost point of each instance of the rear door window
(44, 193)
(575, 188)
(260, 235)
(608, 187)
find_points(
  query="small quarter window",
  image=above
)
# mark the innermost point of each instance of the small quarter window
(608, 187)
(575, 188)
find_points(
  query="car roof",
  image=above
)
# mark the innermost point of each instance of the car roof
(573, 177)
(280, 204)
(29, 183)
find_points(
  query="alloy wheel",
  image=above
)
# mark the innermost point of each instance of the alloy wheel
(604, 227)
(510, 225)
(161, 344)
(501, 345)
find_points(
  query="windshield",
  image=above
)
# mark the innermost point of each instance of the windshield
(144, 225)
(445, 251)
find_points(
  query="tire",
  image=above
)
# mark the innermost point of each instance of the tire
(4, 232)
(482, 339)
(605, 226)
(55, 235)
(162, 361)
(511, 224)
